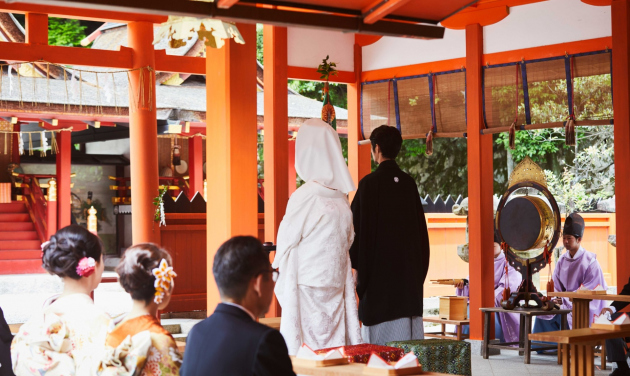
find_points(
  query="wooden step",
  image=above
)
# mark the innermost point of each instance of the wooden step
(17, 235)
(19, 244)
(30, 254)
(17, 226)
(21, 267)
(13, 207)
(14, 217)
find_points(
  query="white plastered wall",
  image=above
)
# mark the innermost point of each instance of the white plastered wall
(539, 24)
(307, 47)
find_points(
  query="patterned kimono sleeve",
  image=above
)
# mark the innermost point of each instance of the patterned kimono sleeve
(163, 359)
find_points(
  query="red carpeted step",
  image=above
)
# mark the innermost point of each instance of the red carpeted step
(21, 267)
(31, 254)
(14, 207)
(19, 244)
(17, 226)
(17, 235)
(14, 217)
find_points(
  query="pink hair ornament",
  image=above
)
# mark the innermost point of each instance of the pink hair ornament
(86, 267)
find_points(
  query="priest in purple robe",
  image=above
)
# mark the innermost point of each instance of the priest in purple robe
(506, 325)
(576, 267)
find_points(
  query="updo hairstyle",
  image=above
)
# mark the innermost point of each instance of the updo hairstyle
(62, 253)
(135, 270)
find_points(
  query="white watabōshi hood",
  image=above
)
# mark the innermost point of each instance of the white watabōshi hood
(318, 156)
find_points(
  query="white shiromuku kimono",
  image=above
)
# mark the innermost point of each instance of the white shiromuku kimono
(315, 287)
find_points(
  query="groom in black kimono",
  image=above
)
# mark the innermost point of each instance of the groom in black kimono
(391, 246)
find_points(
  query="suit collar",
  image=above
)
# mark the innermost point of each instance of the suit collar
(232, 310)
(389, 164)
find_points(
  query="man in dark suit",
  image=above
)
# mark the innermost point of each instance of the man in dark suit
(5, 347)
(231, 341)
(614, 347)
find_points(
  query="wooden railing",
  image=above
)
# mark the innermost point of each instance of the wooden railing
(42, 209)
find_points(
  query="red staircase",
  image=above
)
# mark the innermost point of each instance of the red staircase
(20, 247)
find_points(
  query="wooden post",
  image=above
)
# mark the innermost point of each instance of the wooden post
(15, 150)
(195, 160)
(480, 188)
(292, 172)
(620, 13)
(359, 156)
(142, 134)
(64, 165)
(36, 28)
(276, 144)
(51, 208)
(232, 207)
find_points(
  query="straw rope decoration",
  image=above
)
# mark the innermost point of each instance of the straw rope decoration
(54, 147)
(140, 96)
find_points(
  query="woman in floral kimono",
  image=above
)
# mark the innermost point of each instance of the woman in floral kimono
(68, 336)
(139, 345)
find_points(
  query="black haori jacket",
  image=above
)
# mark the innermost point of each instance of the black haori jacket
(391, 245)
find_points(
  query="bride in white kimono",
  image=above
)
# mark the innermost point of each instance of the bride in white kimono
(316, 287)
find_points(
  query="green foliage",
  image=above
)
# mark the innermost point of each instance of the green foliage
(157, 202)
(536, 144)
(327, 69)
(65, 32)
(259, 44)
(338, 93)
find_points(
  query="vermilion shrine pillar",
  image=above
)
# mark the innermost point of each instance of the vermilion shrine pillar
(480, 187)
(195, 159)
(620, 11)
(276, 137)
(142, 134)
(64, 164)
(232, 206)
(358, 155)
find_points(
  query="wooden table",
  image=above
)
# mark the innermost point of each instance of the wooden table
(352, 369)
(525, 328)
(580, 342)
(458, 335)
(581, 303)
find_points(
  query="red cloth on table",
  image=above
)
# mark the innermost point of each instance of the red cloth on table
(361, 353)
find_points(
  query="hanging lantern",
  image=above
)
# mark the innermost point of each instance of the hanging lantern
(91, 221)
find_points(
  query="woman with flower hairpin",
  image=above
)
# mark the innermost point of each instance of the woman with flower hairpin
(68, 337)
(139, 345)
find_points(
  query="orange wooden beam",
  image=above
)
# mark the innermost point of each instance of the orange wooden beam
(480, 188)
(226, 4)
(378, 10)
(276, 137)
(36, 29)
(484, 17)
(620, 14)
(66, 55)
(310, 74)
(64, 165)
(179, 64)
(79, 14)
(358, 155)
(365, 40)
(143, 137)
(195, 161)
(232, 204)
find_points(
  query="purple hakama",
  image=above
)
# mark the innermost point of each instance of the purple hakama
(509, 321)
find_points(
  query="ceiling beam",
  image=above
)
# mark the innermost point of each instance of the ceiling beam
(226, 4)
(381, 9)
(252, 14)
(67, 55)
(77, 13)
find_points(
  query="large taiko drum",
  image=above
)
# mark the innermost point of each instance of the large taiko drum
(522, 214)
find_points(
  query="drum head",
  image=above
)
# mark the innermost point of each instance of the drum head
(520, 223)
